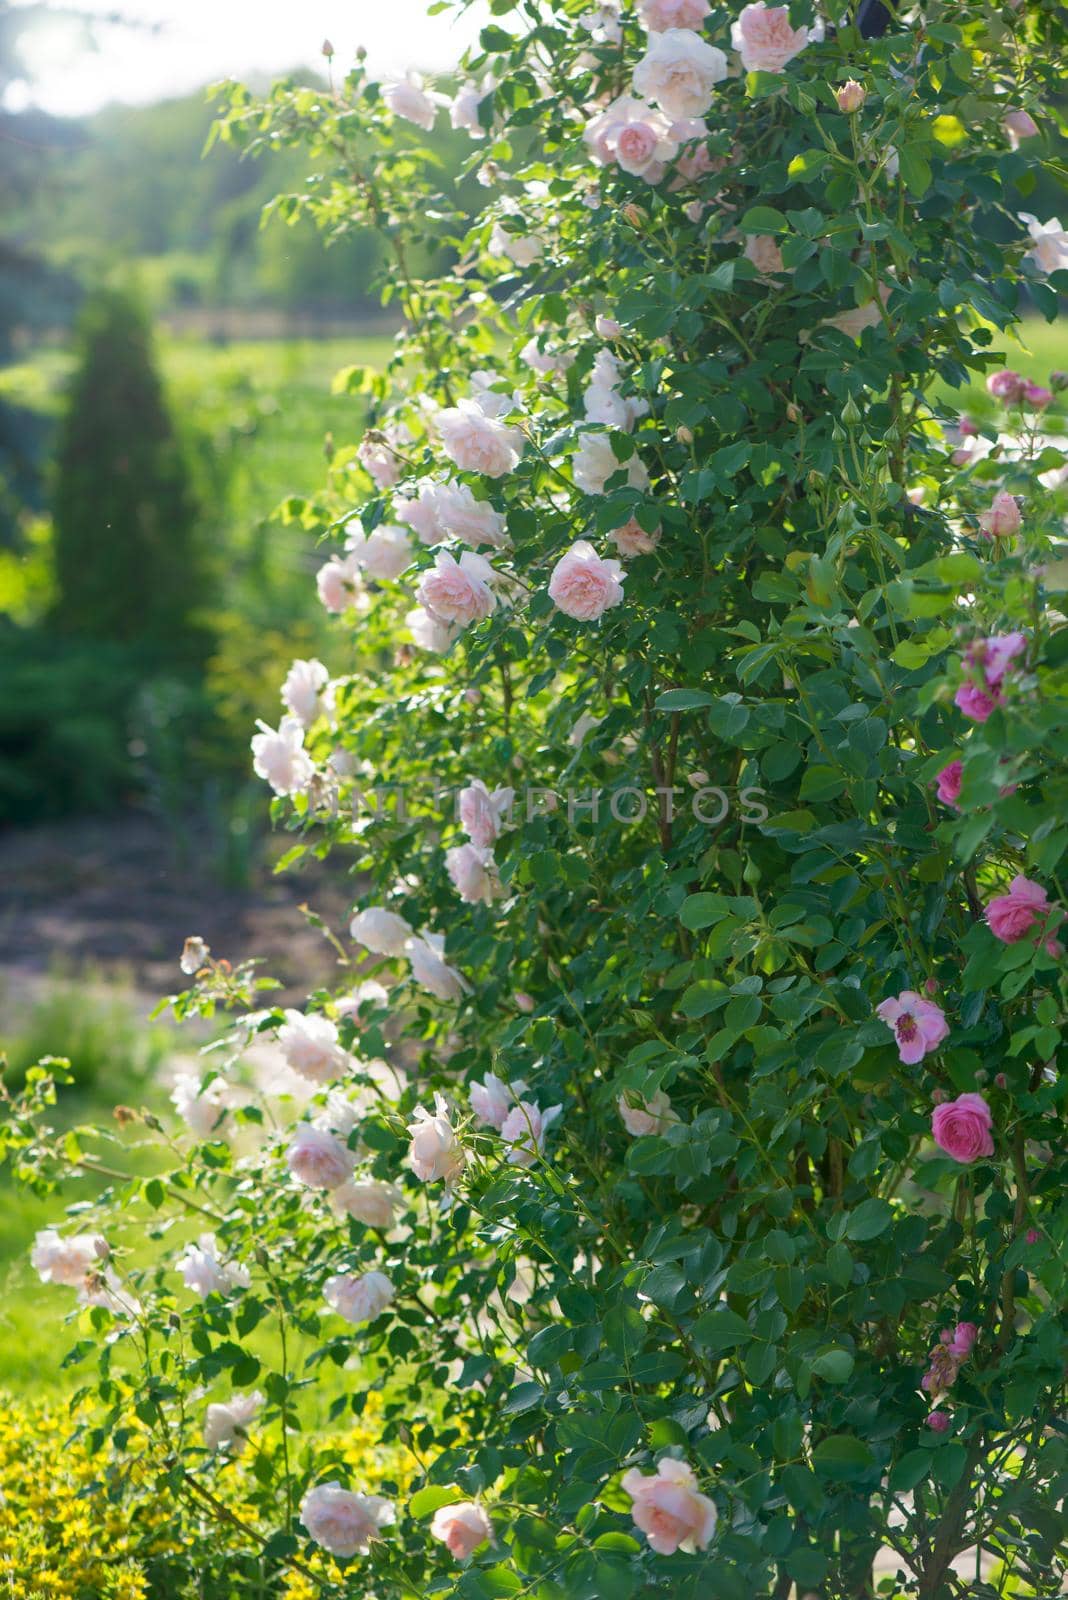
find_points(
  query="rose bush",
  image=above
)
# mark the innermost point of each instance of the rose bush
(676, 1161)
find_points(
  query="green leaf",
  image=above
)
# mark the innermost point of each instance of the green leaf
(833, 1366)
(842, 1458)
(721, 1329)
(869, 1220)
(684, 700)
(702, 910)
(763, 219)
(427, 1500)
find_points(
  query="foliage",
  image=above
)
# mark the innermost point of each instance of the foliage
(720, 1137)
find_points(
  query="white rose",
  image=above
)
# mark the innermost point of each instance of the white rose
(67, 1261)
(227, 1424)
(406, 98)
(310, 1046)
(202, 1110)
(381, 931)
(435, 1154)
(359, 1299)
(343, 1521)
(373, 1204)
(478, 443)
(426, 954)
(307, 692)
(204, 1273)
(594, 462)
(279, 756)
(524, 1128)
(679, 71)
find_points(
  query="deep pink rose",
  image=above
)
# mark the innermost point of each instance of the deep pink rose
(919, 1025)
(976, 704)
(949, 784)
(938, 1420)
(962, 1340)
(961, 1128)
(1006, 385)
(1036, 396)
(1011, 916)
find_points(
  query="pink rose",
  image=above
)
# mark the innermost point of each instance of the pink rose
(435, 1154)
(310, 1046)
(458, 591)
(483, 814)
(938, 1420)
(279, 756)
(493, 1099)
(317, 1159)
(340, 585)
(649, 1116)
(407, 98)
(1002, 518)
(679, 71)
(1011, 916)
(631, 539)
(764, 38)
(660, 15)
(358, 1299)
(478, 443)
(976, 704)
(342, 1521)
(524, 1128)
(472, 872)
(462, 1528)
(764, 253)
(949, 780)
(919, 1025)
(962, 1340)
(1037, 396)
(583, 585)
(851, 96)
(961, 1128)
(607, 327)
(1006, 385)
(668, 1508)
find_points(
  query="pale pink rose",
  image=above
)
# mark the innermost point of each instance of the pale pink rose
(368, 993)
(226, 1425)
(473, 521)
(458, 592)
(342, 1521)
(961, 1128)
(428, 633)
(594, 462)
(463, 112)
(195, 952)
(544, 358)
(604, 400)
(633, 135)
(654, 1115)
(306, 692)
(318, 1159)
(584, 585)
(524, 1128)
(472, 873)
(1002, 518)
(435, 1154)
(1006, 385)
(384, 553)
(374, 1204)
(668, 1508)
(949, 780)
(462, 1528)
(478, 443)
(383, 932)
(493, 1099)
(632, 540)
(426, 955)
(938, 1421)
(919, 1025)
(1011, 917)
(205, 1273)
(679, 71)
(522, 249)
(376, 456)
(483, 814)
(406, 98)
(340, 585)
(203, 1110)
(358, 1299)
(851, 96)
(764, 253)
(278, 755)
(976, 704)
(423, 512)
(1049, 250)
(1019, 125)
(607, 327)
(310, 1045)
(764, 39)
(67, 1261)
(660, 15)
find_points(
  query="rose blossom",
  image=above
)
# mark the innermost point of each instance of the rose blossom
(962, 1340)
(205, 1274)
(1049, 250)
(679, 71)
(202, 1110)
(1012, 916)
(367, 1201)
(482, 813)
(1002, 517)
(478, 443)
(306, 691)
(631, 539)
(961, 1128)
(426, 955)
(310, 1046)
(603, 399)
(654, 1115)
(383, 554)
(463, 112)
(359, 1299)
(435, 1154)
(342, 1521)
(975, 703)
(938, 1421)
(607, 327)
(764, 253)
(492, 1100)
(472, 873)
(1037, 396)
(583, 584)
(227, 1424)
(524, 1128)
(278, 755)
(668, 1508)
(428, 633)
(949, 780)
(458, 592)
(67, 1261)
(406, 98)
(380, 931)
(461, 1528)
(634, 135)
(919, 1025)
(765, 40)
(368, 993)
(318, 1159)
(594, 462)
(377, 457)
(1019, 125)
(340, 585)
(442, 510)
(1006, 385)
(660, 15)
(195, 952)
(996, 654)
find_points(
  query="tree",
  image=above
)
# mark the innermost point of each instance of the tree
(128, 566)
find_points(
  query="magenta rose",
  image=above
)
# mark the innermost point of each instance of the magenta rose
(949, 784)
(961, 1128)
(1012, 916)
(976, 703)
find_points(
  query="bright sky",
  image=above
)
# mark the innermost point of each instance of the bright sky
(199, 41)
